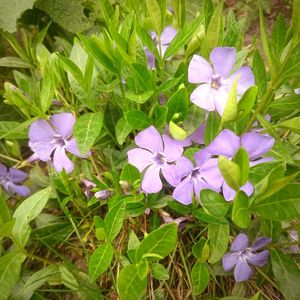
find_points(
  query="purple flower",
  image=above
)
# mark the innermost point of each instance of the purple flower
(9, 179)
(189, 180)
(297, 91)
(216, 80)
(166, 38)
(241, 256)
(50, 141)
(155, 155)
(227, 143)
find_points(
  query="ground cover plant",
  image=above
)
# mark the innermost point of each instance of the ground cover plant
(148, 152)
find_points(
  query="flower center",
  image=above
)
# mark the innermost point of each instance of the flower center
(159, 158)
(195, 173)
(59, 140)
(216, 82)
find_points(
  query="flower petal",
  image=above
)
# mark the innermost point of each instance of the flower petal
(168, 35)
(3, 170)
(256, 144)
(228, 192)
(172, 149)
(220, 99)
(151, 181)
(16, 175)
(226, 143)
(183, 193)
(150, 139)
(72, 147)
(242, 271)
(229, 260)
(61, 160)
(63, 124)
(150, 59)
(199, 70)
(259, 259)
(260, 242)
(223, 59)
(211, 173)
(21, 190)
(203, 97)
(140, 158)
(240, 243)
(248, 188)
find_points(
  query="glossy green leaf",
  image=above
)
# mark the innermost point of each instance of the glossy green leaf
(68, 279)
(100, 260)
(247, 101)
(230, 171)
(278, 38)
(142, 268)
(200, 250)
(14, 62)
(201, 215)
(159, 243)
(212, 127)
(86, 130)
(199, 277)
(259, 72)
(241, 210)
(138, 119)
(122, 130)
(241, 158)
(9, 129)
(177, 132)
(231, 110)
(218, 236)
(129, 284)
(155, 13)
(139, 98)
(178, 104)
(159, 272)
(114, 220)
(160, 116)
(130, 174)
(291, 124)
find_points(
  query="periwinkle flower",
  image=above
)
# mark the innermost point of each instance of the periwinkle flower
(189, 180)
(297, 91)
(50, 141)
(155, 155)
(166, 38)
(227, 143)
(216, 80)
(9, 179)
(241, 256)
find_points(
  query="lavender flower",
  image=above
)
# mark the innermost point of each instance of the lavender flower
(297, 91)
(216, 80)
(166, 38)
(50, 141)
(189, 179)
(155, 154)
(227, 144)
(240, 256)
(9, 179)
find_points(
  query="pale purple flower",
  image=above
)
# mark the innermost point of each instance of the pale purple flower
(227, 143)
(50, 141)
(189, 180)
(166, 38)
(10, 179)
(297, 91)
(216, 80)
(103, 194)
(155, 155)
(241, 256)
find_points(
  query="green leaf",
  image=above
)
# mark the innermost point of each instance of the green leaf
(100, 228)
(200, 250)
(231, 110)
(159, 243)
(139, 98)
(86, 130)
(27, 211)
(70, 15)
(6, 228)
(287, 274)
(212, 127)
(281, 206)
(155, 15)
(292, 68)
(177, 132)
(159, 272)
(241, 158)
(291, 124)
(247, 101)
(201, 215)
(114, 220)
(138, 119)
(218, 236)
(241, 211)
(142, 268)
(100, 260)
(178, 104)
(130, 174)
(195, 117)
(14, 62)
(10, 126)
(10, 11)
(214, 203)
(68, 279)
(160, 116)
(278, 40)
(10, 268)
(230, 171)
(182, 37)
(129, 284)
(259, 72)
(296, 19)
(122, 130)
(199, 277)
(133, 244)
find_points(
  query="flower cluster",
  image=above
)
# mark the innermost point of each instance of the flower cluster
(50, 141)
(10, 180)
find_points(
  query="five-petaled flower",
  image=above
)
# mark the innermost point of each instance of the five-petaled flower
(155, 155)
(166, 38)
(51, 141)
(216, 80)
(241, 256)
(227, 143)
(9, 179)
